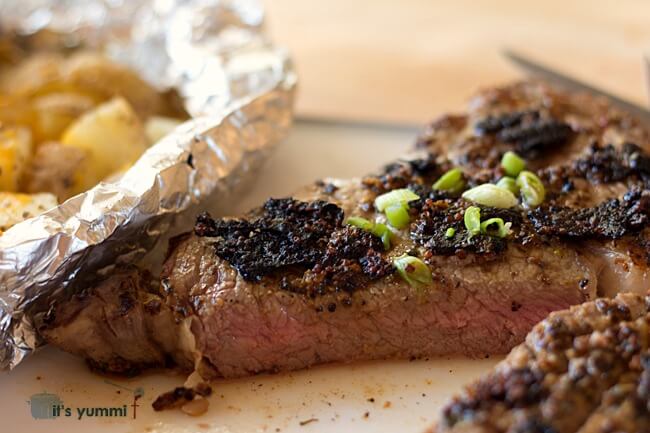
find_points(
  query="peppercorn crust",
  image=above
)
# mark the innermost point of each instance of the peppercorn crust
(586, 369)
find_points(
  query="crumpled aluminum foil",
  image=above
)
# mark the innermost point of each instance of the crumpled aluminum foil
(237, 87)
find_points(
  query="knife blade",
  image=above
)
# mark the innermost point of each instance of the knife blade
(568, 83)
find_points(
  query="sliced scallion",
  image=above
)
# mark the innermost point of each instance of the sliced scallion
(472, 220)
(413, 270)
(451, 181)
(495, 227)
(384, 233)
(396, 196)
(491, 195)
(512, 163)
(509, 184)
(531, 188)
(361, 223)
(397, 216)
(450, 232)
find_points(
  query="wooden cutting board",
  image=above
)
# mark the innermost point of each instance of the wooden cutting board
(406, 61)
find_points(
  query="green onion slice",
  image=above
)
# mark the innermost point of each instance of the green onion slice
(472, 219)
(512, 163)
(491, 195)
(451, 181)
(413, 270)
(397, 215)
(531, 188)
(509, 184)
(495, 227)
(362, 223)
(384, 233)
(450, 232)
(397, 196)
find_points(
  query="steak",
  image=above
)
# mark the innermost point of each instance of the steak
(290, 284)
(583, 370)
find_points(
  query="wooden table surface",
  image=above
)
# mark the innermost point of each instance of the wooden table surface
(406, 61)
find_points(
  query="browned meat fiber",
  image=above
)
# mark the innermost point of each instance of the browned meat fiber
(583, 370)
(291, 284)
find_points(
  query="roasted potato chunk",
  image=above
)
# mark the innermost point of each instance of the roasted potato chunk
(112, 137)
(53, 169)
(15, 153)
(54, 112)
(157, 127)
(97, 75)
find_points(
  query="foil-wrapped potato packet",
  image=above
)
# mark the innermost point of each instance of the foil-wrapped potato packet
(238, 91)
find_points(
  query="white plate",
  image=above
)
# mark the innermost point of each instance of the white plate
(395, 396)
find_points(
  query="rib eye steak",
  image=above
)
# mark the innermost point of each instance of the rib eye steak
(297, 282)
(583, 370)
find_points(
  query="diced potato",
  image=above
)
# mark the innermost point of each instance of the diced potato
(56, 111)
(113, 137)
(15, 153)
(53, 169)
(156, 127)
(32, 74)
(99, 75)
(16, 111)
(15, 208)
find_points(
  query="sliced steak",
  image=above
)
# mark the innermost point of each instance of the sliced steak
(583, 370)
(291, 284)
(122, 325)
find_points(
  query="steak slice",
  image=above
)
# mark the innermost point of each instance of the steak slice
(473, 309)
(122, 325)
(583, 370)
(291, 284)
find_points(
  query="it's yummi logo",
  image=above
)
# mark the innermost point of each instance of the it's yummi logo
(50, 406)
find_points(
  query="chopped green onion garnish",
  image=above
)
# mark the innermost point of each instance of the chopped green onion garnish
(413, 270)
(495, 227)
(491, 195)
(396, 196)
(362, 223)
(472, 219)
(385, 239)
(384, 233)
(512, 164)
(451, 181)
(508, 183)
(397, 215)
(450, 232)
(531, 187)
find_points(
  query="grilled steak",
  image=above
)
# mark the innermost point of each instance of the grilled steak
(583, 370)
(291, 284)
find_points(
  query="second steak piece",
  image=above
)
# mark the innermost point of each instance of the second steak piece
(583, 370)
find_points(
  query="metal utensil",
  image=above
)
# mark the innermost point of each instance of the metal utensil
(569, 83)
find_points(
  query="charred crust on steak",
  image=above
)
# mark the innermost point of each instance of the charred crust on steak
(404, 173)
(603, 164)
(352, 259)
(520, 387)
(611, 219)
(494, 124)
(286, 233)
(309, 236)
(436, 216)
(529, 131)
